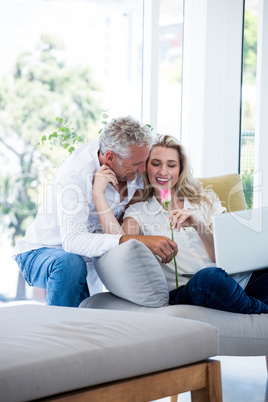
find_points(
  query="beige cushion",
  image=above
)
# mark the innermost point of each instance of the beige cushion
(47, 350)
(229, 189)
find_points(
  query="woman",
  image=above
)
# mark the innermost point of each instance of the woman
(200, 281)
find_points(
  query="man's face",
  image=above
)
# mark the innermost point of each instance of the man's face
(126, 169)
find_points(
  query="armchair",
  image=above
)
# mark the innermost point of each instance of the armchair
(229, 190)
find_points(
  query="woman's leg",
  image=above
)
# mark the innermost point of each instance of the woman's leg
(258, 285)
(62, 274)
(214, 288)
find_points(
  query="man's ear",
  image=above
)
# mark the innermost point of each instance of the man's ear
(109, 157)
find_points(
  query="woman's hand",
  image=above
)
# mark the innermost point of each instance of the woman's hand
(180, 218)
(103, 176)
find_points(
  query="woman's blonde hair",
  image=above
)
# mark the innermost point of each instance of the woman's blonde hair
(186, 186)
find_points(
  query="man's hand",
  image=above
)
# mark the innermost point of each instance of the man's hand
(103, 176)
(159, 245)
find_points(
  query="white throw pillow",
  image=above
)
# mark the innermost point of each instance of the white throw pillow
(132, 272)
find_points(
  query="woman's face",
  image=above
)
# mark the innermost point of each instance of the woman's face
(163, 168)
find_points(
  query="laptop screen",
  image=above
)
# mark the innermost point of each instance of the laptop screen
(241, 240)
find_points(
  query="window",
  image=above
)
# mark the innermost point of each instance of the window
(75, 60)
(170, 67)
(249, 98)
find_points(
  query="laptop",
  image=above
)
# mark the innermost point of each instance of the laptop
(241, 240)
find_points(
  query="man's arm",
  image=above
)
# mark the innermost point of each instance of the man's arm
(73, 217)
(109, 223)
(159, 245)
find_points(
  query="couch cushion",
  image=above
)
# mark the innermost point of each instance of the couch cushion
(132, 272)
(229, 189)
(47, 350)
(239, 334)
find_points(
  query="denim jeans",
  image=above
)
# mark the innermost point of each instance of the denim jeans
(214, 288)
(258, 285)
(62, 274)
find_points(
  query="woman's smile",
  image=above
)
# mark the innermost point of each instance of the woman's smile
(162, 180)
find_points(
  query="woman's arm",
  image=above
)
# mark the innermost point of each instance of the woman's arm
(159, 245)
(206, 235)
(131, 227)
(181, 218)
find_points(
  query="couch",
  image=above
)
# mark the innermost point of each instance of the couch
(68, 354)
(135, 282)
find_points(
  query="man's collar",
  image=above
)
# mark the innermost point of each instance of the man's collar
(96, 160)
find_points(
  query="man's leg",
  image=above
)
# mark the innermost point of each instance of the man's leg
(62, 274)
(214, 288)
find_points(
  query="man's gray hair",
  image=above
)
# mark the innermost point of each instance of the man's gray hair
(119, 134)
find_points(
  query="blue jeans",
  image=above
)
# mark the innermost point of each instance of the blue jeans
(214, 288)
(62, 274)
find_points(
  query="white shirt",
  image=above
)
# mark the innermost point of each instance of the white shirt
(192, 255)
(68, 218)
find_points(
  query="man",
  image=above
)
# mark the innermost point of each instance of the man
(56, 252)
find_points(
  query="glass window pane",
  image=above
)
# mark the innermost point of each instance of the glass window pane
(67, 58)
(170, 66)
(249, 98)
